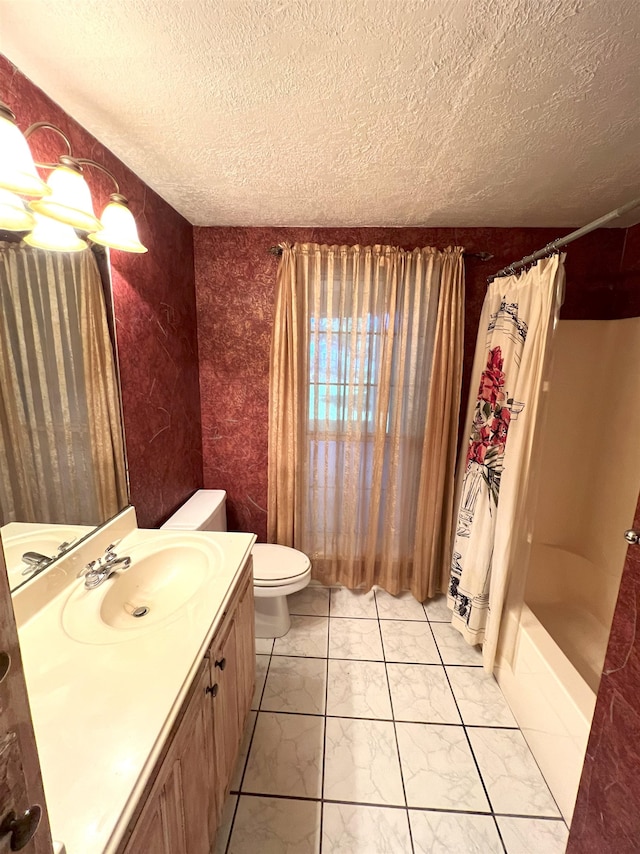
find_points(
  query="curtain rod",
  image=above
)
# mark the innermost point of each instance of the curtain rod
(482, 256)
(550, 248)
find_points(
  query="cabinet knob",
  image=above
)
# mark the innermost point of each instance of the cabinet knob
(222, 663)
(212, 689)
(632, 537)
(20, 828)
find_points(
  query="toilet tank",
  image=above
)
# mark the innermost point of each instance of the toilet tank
(206, 510)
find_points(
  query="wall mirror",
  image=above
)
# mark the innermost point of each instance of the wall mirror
(62, 456)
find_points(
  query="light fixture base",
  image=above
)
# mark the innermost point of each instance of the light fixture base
(6, 113)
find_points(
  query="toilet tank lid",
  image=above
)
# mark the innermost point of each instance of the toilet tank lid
(196, 510)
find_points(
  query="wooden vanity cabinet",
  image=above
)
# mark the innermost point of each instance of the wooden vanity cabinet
(182, 807)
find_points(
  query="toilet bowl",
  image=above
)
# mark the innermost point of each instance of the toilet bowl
(278, 571)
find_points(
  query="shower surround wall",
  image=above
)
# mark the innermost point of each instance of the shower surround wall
(154, 298)
(235, 285)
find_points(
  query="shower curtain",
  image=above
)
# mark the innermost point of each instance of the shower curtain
(516, 324)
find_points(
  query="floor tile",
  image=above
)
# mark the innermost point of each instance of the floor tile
(295, 685)
(453, 647)
(276, 826)
(480, 700)
(352, 603)
(312, 601)
(510, 773)
(262, 663)
(361, 762)
(358, 689)
(437, 609)
(445, 833)
(408, 642)
(351, 829)
(533, 836)
(264, 646)
(420, 692)
(222, 836)
(359, 639)
(307, 636)
(244, 750)
(401, 607)
(285, 756)
(438, 768)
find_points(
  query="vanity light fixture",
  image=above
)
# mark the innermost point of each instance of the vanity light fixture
(70, 198)
(64, 200)
(57, 236)
(13, 214)
(17, 169)
(118, 227)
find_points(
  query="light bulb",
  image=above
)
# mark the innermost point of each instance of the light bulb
(70, 198)
(118, 227)
(56, 236)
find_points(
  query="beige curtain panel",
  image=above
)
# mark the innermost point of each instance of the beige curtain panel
(366, 369)
(61, 446)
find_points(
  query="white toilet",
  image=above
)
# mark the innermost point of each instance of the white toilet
(278, 571)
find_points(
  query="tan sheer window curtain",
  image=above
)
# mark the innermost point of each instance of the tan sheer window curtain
(364, 398)
(61, 447)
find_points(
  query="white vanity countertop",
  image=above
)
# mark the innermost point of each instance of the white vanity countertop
(102, 711)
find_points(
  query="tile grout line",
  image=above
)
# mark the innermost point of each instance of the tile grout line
(516, 728)
(322, 800)
(400, 807)
(246, 761)
(391, 661)
(395, 731)
(388, 720)
(466, 735)
(324, 733)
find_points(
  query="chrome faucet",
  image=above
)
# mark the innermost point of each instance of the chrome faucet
(97, 571)
(35, 561)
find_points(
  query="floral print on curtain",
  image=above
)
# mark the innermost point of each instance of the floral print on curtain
(518, 317)
(494, 411)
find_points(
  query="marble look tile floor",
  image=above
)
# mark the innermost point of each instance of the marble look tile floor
(374, 730)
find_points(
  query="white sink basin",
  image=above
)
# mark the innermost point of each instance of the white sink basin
(158, 585)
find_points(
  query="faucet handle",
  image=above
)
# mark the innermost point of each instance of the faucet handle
(65, 545)
(109, 553)
(90, 566)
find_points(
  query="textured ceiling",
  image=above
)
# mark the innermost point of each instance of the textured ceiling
(352, 112)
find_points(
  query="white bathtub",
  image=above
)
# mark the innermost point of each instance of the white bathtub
(552, 703)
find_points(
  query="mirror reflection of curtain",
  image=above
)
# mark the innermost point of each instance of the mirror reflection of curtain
(365, 391)
(61, 446)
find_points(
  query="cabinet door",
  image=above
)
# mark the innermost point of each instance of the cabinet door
(175, 817)
(246, 643)
(226, 727)
(194, 745)
(160, 827)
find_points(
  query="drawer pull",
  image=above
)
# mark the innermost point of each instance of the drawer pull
(20, 828)
(222, 663)
(212, 689)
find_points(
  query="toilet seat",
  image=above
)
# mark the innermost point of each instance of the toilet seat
(278, 571)
(278, 566)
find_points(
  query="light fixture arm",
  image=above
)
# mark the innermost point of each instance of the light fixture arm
(39, 125)
(64, 202)
(86, 162)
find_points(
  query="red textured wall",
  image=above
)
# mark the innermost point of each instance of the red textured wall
(235, 285)
(155, 314)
